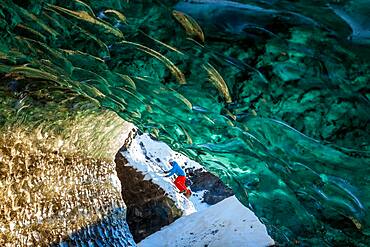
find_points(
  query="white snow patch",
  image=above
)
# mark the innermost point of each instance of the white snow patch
(144, 159)
(197, 200)
(157, 149)
(227, 223)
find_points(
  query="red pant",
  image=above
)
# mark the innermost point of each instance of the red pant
(180, 183)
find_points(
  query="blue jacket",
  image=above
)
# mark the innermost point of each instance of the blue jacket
(176, 169)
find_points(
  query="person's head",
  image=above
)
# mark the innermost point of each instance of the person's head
(171, 161)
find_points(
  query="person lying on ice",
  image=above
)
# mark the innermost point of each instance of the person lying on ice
(181, 177)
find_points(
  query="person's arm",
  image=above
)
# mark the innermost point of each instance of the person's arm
(171, 172)
(168, 170)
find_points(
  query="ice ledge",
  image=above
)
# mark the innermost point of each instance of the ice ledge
(227, 223)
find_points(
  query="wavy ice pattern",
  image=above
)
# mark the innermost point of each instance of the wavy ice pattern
(272, 96)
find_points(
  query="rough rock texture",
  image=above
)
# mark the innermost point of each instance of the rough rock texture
(148, 208)
(203, 180)
(55, 191)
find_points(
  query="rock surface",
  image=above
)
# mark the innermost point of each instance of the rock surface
(216, 190)
(149, 196)
(58, 190)
(148, 207)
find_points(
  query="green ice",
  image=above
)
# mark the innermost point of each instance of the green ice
(275, 101)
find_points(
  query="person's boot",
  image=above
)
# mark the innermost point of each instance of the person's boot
(188, 193)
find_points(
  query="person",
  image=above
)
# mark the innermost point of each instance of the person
(181, 177)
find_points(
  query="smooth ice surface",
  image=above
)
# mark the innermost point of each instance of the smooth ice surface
(271, 96)
(227, 223)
